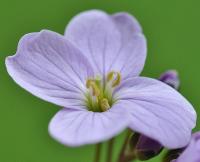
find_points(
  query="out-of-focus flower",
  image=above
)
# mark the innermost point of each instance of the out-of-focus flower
(93, 72)
(192, 152)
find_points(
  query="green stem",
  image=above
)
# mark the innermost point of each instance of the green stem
(110, 150)
(97, 152)
(123, 156)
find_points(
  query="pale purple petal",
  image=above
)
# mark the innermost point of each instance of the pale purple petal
(50, 67)
(192, 152)
(133, 46)
(127, 24)
(158, 111)
(111, 43)
(78, 127)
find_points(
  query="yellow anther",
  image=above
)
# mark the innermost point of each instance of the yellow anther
(95, 89)
(104, 104)
(114, 77)
(88, 83)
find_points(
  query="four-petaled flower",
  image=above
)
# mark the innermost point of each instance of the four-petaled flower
(93, 72)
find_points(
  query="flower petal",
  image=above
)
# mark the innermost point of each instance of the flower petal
(79, 127)
(50, 67)
(111, 43)
(192, 152)
(158, 111)
(127, 24)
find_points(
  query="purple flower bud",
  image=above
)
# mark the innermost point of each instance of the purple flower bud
(145, 147)
(171, 78)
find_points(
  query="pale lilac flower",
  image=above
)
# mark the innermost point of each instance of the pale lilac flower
(192, 152)
(93, 72)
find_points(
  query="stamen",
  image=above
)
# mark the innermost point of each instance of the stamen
(104, 104)
(114, 77)
(95, 90)
(99, 98)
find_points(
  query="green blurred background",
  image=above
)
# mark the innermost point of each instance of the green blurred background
(172, 28)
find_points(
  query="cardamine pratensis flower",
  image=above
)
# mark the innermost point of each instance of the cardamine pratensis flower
(93, 73)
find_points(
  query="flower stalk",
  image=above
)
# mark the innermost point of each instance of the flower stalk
(125, 155)
(110, 150)
(98, 152)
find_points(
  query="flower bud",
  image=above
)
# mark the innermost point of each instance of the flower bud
(145, 147)
(171, 78)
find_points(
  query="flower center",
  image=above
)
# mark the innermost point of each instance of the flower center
(99, 97)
